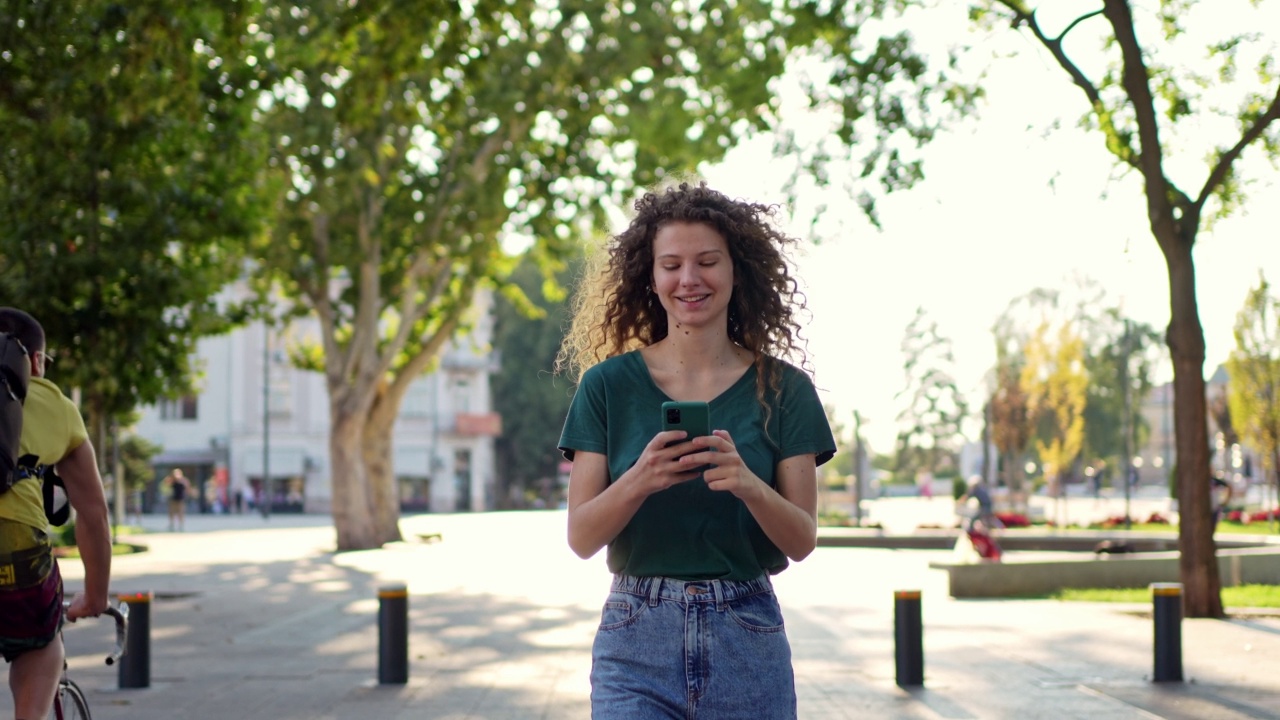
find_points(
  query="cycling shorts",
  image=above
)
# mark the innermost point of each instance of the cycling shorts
(30, 590)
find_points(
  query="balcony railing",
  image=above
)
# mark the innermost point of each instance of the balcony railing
(478, 424)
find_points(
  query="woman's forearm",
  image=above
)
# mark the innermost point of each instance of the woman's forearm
(792, 529)
(596, 522)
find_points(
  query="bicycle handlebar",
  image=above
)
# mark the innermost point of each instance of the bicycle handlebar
(120, 614)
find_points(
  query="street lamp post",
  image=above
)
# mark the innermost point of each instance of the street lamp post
(859, 457)
(264, 503)
(1127, 424)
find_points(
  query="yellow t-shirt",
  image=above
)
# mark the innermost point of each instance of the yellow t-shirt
(51, 428)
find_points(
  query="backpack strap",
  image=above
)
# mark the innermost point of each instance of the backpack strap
(29, 467)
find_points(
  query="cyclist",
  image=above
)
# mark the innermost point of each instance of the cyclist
(30, 584)
(981, 520)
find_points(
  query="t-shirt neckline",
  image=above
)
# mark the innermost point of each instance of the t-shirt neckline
(638, 359)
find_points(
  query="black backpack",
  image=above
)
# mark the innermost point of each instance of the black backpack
(15, 378)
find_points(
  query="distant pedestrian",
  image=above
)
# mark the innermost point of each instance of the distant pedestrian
(696, 303)
(1221, 493)
(924, 484)
(177, 487)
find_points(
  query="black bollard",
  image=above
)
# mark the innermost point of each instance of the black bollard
(1166, 601)
(393, 635)
(135, 664)
(908, 632)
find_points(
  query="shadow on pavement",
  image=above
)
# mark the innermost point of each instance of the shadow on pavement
(299, 639)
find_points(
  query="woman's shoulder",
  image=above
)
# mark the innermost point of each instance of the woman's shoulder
(613, 368)
(789, 372)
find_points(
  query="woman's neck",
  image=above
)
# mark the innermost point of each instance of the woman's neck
(694, 351)
(687, 367)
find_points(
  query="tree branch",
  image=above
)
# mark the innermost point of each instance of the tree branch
(1062, 35)
(1021, 17)
(443, 333)
(318, 292)
(1223, 166)
(1150, 163)
(364, 331)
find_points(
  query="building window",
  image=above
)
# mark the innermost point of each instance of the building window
(462, 480)
(281, 394)
(184, 408)
(460, 394)
(417, 400)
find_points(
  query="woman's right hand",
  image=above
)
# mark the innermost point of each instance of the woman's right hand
(659, 466)
(598, 509)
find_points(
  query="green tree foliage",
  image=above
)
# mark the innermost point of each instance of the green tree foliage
(1107, 339)
(1200, 82)
(1253, 370)
(1117, 349)
(1176, 79)
(128, 185)
(932, 421)
(415, 136)
(136, 453)
(875, 95)
(530, 398)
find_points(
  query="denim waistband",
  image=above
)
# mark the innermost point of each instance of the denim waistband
(690, 591)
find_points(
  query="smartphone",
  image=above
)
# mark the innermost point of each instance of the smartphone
(692, 417)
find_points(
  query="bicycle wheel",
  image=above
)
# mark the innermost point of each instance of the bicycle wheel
(70, 703)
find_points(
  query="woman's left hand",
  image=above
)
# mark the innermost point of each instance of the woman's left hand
(728, 472)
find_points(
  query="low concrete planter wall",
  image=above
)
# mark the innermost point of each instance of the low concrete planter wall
(1238, 566)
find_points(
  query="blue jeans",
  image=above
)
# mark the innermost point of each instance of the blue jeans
(679, 650)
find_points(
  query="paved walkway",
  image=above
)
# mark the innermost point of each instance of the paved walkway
(259, 619)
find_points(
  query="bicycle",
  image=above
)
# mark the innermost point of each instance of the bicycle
(70, 703)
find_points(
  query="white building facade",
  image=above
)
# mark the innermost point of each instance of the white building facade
(255, 417)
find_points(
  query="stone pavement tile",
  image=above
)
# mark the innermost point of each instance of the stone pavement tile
(1194, 701)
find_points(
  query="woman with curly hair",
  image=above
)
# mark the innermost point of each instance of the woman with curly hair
(693, 301)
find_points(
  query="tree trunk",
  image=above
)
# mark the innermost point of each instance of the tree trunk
(1198, 559)
(380, 466)
(1019, 487)
(352, 510)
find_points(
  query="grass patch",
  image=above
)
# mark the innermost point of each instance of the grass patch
(833, 518)
(1224, 528)
(1253, 528)
(72, 552)
(1254, 596)
(1135, 527)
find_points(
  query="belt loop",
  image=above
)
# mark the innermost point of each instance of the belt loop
(655, 585)
(717, 587)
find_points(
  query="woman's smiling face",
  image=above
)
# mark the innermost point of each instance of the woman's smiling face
(692, 274)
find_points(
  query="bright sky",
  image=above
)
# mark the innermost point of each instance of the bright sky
(1007, 207)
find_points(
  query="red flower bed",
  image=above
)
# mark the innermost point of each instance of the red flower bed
(1244, 517)
(1011, 520)
(1112, 522)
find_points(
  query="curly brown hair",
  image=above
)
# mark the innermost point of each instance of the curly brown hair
(615, 309)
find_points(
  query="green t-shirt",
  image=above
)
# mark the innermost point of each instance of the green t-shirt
(688, 531)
